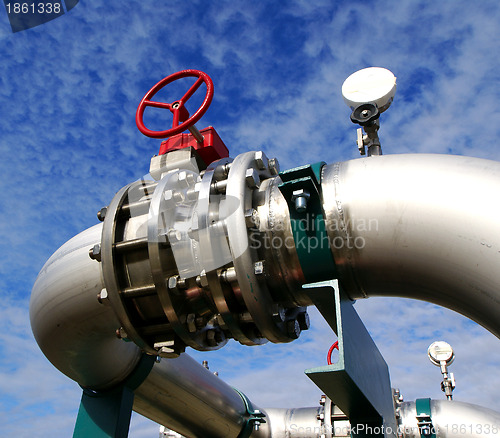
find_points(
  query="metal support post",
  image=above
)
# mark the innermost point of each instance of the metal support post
(106, 414)
(359, 382)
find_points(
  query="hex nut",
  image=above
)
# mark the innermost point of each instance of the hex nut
(176, 282)
(202, 280)
(261, 160)
(210, 337)
(300, 197)
(190, 322)
(174, 235)
(252, 218)
(182, 178)
(103, 297)
(304, 321)
(279, 314)
(300, 193)
(101, 214)
(222, 171)
(274, 166)
(258, 267)
(293, 329)
(252, 178)
(121, 334)
(95, 252)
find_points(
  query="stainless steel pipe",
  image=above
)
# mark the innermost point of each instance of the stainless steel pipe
(74, 331)
(451, 419)
(77, 334)
(418, 226)
(183, 395)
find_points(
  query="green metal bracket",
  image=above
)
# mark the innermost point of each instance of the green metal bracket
(106, 414)
(424, 418)
(255, 417)
(308, 226)
(359, 383)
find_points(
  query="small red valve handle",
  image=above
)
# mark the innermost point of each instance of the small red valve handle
(330, 351)
(182, 120)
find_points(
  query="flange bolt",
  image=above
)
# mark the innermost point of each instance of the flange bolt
(300, 197)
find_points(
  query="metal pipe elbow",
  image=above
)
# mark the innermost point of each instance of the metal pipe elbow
(418, 226)
(74, 331)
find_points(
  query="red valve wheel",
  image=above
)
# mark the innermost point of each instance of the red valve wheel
(182, 120)
(330, 351)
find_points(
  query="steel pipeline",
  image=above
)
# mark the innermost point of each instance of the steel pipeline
(417, 226)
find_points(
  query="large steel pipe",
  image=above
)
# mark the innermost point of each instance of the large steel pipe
(77, 334)
(418, 226)
(74, 331)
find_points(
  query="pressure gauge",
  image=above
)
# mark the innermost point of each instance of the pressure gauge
(439, 352)
(371, 85)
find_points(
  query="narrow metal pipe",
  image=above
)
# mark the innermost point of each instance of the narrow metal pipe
(451, 419)
(418, 226)
(196, 134)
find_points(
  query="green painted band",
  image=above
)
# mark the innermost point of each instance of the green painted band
(423, 409)
(308, 227)
(141, 371)
(133, 381)
(423, 406)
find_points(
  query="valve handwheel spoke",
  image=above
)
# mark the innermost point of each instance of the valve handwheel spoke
(158, 104)
(181, 118)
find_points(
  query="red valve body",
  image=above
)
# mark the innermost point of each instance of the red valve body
(212, 148)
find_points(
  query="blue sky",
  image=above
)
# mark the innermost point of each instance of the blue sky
(68, 94)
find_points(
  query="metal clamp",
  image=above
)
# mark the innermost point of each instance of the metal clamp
(255, 417)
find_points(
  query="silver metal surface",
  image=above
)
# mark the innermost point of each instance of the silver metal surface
(324, 421)
(252, 283)
(275, 244)
(177, 261)
(185, 396)
(296, 423)
(418, 226)
(77, 334)
(452, 419)
(74, 331)
(126, 270)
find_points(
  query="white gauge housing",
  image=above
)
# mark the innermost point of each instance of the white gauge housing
(371, 85)
(440, 351)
